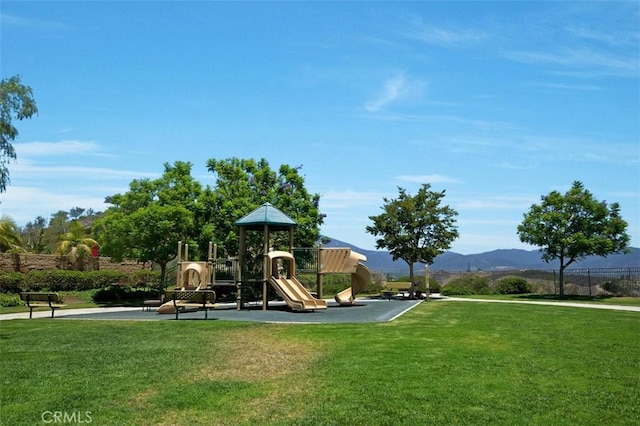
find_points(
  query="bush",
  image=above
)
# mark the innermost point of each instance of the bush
(119, 293)
(622, 288)
(11, 282)
(513, 285)
(63, 280)
(465, 285)
(8, 300)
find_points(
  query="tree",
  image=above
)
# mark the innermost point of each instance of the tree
(416, 228)
(75, 244)
(33, 233)
(573, 226)
(147, 222)
(10, 239)
(16, 101)
(244, 185)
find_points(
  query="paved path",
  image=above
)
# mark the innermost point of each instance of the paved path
(568, 304)
(365, 310)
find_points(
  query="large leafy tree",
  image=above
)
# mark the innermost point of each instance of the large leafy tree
(244, 185)
(415, 228)
(147, 222)
(572, 226)
(16, 102)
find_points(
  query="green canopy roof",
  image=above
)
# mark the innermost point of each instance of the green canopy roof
(266, 214)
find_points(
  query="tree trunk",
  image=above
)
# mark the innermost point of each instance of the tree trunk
(412, 290)
(561, 278)
(163, 272)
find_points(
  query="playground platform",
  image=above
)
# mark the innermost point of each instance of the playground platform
(363, 311)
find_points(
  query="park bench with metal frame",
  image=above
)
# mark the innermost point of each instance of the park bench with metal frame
(191, 300)
(42, 300)
(394, 287)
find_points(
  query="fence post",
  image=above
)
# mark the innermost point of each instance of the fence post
(555, 290)
(589, 280)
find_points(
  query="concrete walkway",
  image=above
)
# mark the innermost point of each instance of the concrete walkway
(567, 304)
(365, 310)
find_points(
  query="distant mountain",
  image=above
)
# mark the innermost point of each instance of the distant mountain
(378, 260)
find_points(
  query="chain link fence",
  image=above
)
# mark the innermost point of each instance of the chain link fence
(577, 282)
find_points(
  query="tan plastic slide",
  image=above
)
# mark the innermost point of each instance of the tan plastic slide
(359, 281)
(287, 285)
(296, 296)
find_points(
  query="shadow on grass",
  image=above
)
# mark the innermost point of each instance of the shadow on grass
(565, 298)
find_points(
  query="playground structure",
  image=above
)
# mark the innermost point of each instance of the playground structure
(343, 261)
(283, 279)
(199, 276)
(278, 268)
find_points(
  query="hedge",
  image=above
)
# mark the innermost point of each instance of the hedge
(62, 280)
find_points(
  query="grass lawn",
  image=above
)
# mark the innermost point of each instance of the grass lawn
(602, 300)
(441, 363)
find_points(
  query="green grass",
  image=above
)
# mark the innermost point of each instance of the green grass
(603, 300)
(441, 363)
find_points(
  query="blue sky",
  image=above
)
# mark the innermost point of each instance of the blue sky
(497, 103)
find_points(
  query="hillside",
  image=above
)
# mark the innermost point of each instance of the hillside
(378, 260)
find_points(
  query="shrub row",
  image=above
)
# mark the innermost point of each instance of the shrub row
(471, 284)
(62, 280)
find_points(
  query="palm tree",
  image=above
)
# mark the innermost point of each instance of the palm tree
(74, 244)
(10, 239)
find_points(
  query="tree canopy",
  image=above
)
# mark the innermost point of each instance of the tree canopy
(147, 222)
(16, 101)
(415, 228)
(572, 226)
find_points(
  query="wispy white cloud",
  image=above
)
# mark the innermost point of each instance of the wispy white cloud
(346, 199)
(434, 178)
(465, 121)
(30, 23)
(562, 86)
(612, 36)
(515, 166)
(585, 60)
(29, 170)
(520, 203)
(445, 36)
(395, 89)
(19, 202)
(67, 147)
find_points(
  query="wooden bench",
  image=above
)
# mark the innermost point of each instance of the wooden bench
(42, 300)
(191, 300)
(395, 286)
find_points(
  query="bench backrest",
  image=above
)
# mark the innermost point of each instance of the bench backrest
(40, 297)
(398, 285)
(196, 296)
